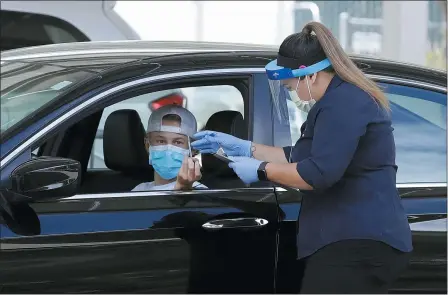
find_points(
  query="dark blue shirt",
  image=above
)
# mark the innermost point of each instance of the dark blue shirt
(346, 152)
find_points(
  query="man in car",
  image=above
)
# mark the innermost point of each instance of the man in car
(170, 129)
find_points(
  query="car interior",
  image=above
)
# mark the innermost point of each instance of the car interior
(125, 155)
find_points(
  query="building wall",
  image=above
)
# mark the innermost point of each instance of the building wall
(269, 22)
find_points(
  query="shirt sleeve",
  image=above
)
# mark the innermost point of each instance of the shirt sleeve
(337, 131)
(138, 188)
(143, 187)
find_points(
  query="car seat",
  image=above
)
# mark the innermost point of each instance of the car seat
(216, 173)
(124, 154)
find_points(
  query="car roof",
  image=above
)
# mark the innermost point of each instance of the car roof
(131, 47)
(105, 55)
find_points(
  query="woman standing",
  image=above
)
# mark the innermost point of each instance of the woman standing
(353, 234)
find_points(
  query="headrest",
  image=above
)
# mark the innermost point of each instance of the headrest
(123, 143)
(230, 122)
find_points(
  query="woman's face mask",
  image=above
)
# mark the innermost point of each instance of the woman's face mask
(167, 160)
(303, 105)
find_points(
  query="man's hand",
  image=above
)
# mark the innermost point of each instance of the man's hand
(189, 172)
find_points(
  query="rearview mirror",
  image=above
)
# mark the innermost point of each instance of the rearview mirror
(46, 178)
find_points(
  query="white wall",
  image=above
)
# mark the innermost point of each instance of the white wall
(259, 22)
(269, 22)
(405, 29)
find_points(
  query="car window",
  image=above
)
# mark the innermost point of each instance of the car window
(20, 29)
(203, 102)
(27, 87)
(419, 121)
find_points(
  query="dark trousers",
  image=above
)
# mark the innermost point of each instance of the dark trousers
(352, 266)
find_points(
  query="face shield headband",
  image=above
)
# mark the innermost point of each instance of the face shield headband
(287, 71)
(284, 100)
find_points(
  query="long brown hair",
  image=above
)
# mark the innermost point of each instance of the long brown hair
(344, 67)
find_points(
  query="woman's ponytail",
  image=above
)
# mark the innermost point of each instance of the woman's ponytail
(343, 65)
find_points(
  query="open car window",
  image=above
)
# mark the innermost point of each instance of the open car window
(203, 102)
(112, 169)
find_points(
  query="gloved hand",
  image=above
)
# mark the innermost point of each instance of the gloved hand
(246, 168)
(208, 142)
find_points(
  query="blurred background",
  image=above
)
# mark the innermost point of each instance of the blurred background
(406, 31)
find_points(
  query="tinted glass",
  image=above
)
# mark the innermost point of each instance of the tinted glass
(27, 87)
(419, 121)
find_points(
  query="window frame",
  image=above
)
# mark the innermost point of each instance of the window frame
(417, 94)
(202, 82)
(80, 105)
(51, 133)
(420, 85)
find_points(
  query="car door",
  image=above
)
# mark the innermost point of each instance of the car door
(419, 120)
(201, 241)
(164, 242)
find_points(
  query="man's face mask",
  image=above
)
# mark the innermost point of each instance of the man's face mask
(167, 160)
(304, 106)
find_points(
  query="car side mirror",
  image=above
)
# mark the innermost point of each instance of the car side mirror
(46, 178)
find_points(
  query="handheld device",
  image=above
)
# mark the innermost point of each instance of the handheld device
(190, 154)
(220, 154)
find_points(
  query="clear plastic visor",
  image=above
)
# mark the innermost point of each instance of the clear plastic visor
(282, 100)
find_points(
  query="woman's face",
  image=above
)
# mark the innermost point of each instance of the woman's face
(301, 89)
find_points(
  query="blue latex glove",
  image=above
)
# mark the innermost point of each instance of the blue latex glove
(208, 142)
(246, 168)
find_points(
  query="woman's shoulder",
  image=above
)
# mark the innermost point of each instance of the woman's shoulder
(351, 99)
(352, 104)
(353, 94)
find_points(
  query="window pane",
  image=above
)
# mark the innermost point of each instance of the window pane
(419, 121)
(26, 87)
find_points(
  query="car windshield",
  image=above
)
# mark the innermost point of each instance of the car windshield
(27, 87)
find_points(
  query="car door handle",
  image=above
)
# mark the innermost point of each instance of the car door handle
(251, 222)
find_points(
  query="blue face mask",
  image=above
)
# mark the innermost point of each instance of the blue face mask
(166, 160)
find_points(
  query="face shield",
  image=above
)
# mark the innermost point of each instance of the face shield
(283, 97)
